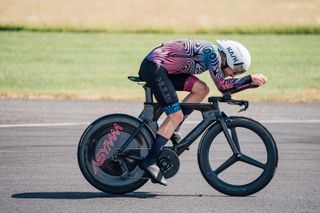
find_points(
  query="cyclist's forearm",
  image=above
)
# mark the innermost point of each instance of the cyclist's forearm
(231, 84)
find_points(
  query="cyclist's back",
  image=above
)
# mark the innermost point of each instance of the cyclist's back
(185, 56)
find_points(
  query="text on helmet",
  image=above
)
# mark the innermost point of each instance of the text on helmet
(233, 56)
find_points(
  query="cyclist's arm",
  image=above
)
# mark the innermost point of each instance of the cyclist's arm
(226, 85)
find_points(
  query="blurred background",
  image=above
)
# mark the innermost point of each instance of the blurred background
(85, 49)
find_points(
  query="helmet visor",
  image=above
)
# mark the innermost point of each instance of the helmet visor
(238, 69)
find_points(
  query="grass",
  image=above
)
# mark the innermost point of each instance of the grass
(96, 65)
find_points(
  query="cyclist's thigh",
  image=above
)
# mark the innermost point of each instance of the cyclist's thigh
(183, 82)
(164, 92)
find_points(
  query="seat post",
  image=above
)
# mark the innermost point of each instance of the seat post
(147, 90)
(148, 94)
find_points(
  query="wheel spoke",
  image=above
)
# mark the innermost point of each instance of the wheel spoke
(226, 164)
(252, 161)
(235, 138)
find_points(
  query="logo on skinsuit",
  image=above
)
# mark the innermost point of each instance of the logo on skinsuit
(164, 90)
(101, 155)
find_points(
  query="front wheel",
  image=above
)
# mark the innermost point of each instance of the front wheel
(243, 174)
(99, 161)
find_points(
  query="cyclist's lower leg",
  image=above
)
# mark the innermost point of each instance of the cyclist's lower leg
(164, 133)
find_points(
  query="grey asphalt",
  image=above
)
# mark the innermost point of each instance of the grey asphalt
(39, 171)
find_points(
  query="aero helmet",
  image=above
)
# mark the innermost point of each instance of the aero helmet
(238, 56)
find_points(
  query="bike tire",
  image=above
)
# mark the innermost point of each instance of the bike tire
(99, 142)
(212, 173)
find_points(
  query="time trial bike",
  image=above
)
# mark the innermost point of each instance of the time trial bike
(236, 155)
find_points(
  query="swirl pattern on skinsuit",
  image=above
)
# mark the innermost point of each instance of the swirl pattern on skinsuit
(184, 56)
(193, 57)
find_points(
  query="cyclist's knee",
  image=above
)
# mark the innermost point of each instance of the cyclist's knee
(206, 90)
(201, 88)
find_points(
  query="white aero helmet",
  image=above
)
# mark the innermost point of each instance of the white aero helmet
(238, 56)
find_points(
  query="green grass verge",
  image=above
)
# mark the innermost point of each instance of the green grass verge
(96, 65)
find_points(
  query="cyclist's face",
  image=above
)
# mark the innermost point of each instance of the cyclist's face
(229, 72)
(232, 72)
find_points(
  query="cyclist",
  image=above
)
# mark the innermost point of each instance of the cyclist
(171, 66)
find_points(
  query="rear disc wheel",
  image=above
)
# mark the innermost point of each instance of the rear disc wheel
(99, 145)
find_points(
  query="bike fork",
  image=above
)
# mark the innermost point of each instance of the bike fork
(235, 149)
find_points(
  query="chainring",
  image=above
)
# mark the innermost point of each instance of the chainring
(168, 162)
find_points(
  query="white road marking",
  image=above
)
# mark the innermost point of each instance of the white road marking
(273, 121)
(42, 125)
(186, 122)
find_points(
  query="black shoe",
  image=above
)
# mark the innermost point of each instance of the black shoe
(154, 172)
(176, 137)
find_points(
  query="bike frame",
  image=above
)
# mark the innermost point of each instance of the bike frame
(210, 113)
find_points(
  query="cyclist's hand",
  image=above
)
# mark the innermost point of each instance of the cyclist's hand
(259, 79)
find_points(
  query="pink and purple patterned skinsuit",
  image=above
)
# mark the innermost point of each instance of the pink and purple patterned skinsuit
(184, 57)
